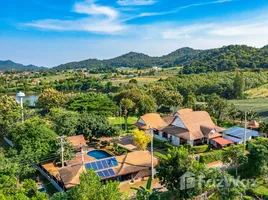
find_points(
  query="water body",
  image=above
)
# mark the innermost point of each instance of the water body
(32, 97)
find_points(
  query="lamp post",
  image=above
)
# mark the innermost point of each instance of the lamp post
(152, 152)
(20, 95)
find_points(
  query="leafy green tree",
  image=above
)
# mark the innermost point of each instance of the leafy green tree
(217, 107)
(234, 156)
(126, 104)
(239, 85)
(34, 140)
(51, 98)
(133, 81)
(90, 187)
(146, 105)
(171, 170)
(96, 103)
(258, 156)
(233, 112)
(190, 100)
(10, 113)
(264, 128)
(65, 122)
(91, 125)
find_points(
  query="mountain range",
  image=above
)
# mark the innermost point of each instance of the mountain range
(10, 65)
(226, 58)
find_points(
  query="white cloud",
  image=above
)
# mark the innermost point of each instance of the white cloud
(101, 19)
(135, 2)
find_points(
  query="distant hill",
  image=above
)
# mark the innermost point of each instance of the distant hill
(10, 65)
(226, 58)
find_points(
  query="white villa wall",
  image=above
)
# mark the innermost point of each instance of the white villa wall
(175, 140)
(141, 121)
(177, 122)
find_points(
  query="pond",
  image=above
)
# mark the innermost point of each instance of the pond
(99, 154)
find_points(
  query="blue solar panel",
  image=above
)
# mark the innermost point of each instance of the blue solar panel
(112, 173)
(99, 165)
(106, 173)
(94, 166)
(104, 164)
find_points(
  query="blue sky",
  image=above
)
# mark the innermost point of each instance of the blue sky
(52, 32)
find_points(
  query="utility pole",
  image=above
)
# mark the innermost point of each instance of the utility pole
(62, 142)
(245, 128)
(83, 158)
(152, 152)
(120, 115)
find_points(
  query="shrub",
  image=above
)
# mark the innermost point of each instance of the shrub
(160, 155)
(201, 149)
(261, 191)
(248, 198)
(211, 156)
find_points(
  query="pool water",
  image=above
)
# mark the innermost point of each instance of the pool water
(99, 154)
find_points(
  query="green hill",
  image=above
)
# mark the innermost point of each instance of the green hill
(227, 58)
(258, 92)
(10, 65)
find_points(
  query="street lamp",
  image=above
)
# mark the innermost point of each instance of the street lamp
(20, 95)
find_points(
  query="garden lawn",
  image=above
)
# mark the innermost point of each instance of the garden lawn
(116, 120)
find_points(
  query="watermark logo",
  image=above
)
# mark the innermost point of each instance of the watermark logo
(189, 181)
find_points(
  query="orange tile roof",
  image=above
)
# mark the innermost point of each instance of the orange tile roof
(222, 141)
(152, 120)
(77, 140)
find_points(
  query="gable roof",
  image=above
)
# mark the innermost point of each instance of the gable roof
(153, 120)
(77, 140)
(184, 110)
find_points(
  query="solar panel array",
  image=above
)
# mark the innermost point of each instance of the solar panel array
(102, 164)
(106, 173)
(103, 167)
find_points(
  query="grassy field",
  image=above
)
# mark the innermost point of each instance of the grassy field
(258, 105)
(259, 92)
(116, 120)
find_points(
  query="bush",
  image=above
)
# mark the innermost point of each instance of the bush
(248, 198)
(201, 149)
(261, 191)
(160, 155)
(211, 156)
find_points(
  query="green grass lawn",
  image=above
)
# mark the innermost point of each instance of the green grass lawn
(116, 120)
(258, 105)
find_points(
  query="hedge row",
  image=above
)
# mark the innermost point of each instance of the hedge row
(201, 149)
(211, 156)
(261, 192)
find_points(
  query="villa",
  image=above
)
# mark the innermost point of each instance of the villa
(124, 168)
(185, 126)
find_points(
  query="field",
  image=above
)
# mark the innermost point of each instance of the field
(258, 105)
(259, 92)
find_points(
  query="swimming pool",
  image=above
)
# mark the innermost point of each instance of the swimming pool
(98, 154)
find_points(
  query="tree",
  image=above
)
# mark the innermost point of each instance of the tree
(34, 140)
(171, 170)
(239, 85)
(235, 156)
(146, 105)
(51, 98)
(264, 128)
(217, 107)
(90, 187)
(91, 125)
(133, 81)
(233, 112)
(92, 102)
(258, 156)
(190, 100)
(126, 104)
(10, 113)
(65, 122)
(141, 139)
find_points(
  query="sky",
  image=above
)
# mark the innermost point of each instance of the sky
(52, 32)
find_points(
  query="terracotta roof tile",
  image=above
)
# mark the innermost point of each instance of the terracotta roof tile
(77, 140)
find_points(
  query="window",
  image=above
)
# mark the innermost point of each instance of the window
(165, 135)
(156, 132)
